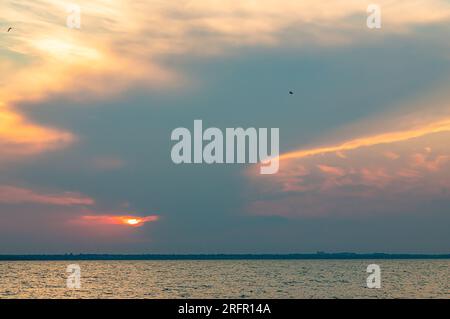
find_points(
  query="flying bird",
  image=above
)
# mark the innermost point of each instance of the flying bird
(291, 93)
(9, 29)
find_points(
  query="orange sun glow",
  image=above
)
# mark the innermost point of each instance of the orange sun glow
(120, 220)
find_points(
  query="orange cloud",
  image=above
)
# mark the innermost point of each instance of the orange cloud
(133, 221)
(16, 195)
(20, 137)
(383, 173)
(384, 138)
(42, 56)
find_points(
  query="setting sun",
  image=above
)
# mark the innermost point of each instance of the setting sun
(120, 220)
(133, 221)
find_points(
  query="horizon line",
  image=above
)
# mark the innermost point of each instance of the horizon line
(219, 256)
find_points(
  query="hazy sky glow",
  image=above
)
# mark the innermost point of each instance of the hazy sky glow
(86, 117)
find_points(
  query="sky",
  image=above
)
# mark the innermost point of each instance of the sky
(86, 117)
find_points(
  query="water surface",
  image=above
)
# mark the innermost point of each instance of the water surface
(227, 279)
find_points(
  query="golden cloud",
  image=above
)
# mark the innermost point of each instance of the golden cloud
(123, 42)
(384, 138)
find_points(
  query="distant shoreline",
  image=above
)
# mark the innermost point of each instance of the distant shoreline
(135, 257)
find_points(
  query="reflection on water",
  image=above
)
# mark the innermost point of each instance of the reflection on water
(227, 279)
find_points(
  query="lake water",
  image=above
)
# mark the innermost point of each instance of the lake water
(227, 279)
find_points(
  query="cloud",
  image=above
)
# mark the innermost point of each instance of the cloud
(392, 172)
(17, 195)
(122, 43)
(384, 138)
(19, 137)
(125, 43)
